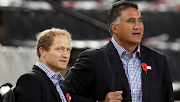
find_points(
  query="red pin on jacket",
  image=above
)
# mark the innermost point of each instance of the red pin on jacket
(68, 97)
(145, 67)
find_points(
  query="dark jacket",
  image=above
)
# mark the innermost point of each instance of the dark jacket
(88, 78)
(30, 87)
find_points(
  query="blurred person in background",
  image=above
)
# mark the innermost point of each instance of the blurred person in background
(137, 73)
(53, 50)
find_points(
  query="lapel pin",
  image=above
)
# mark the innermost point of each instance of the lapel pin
(145, 67)
(68, 97)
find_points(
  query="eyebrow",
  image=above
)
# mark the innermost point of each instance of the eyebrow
(140, 18)
(64, 47)
(135, 18)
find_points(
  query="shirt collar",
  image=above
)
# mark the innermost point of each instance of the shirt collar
(120, 49)
(51, 74)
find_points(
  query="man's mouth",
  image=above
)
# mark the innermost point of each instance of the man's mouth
(63, 60)
(136, 33)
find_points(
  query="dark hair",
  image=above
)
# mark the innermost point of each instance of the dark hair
(117, 7)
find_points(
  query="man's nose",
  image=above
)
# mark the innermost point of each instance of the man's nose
(65, 53)
(137, 25)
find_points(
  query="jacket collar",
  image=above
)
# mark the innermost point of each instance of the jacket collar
(145, 77)
(114, 57)
(49, 82)
(120, 70)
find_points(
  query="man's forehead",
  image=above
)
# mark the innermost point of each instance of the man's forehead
(130, 11)
(131, 14)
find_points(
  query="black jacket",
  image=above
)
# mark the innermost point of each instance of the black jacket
(88, 78)
(30, 87)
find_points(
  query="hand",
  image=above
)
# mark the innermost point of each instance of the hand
(113, 97)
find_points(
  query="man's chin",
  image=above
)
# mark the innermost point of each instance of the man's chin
(62, 67)
(137, 41)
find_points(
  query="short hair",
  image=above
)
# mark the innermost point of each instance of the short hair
(46, 38)
(117, 7)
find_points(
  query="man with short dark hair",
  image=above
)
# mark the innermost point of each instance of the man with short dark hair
(133, 73)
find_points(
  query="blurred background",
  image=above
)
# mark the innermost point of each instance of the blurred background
(22, 20)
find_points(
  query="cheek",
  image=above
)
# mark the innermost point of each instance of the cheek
(130, 27)
(127, 28)
(54, 56)
(142, 26)
(68, 57)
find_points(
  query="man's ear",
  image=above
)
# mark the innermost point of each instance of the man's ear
(42, 52)
(113, 28)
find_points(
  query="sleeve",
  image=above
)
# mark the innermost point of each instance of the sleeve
(28, 89)
(79, 79)
(167, 85)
